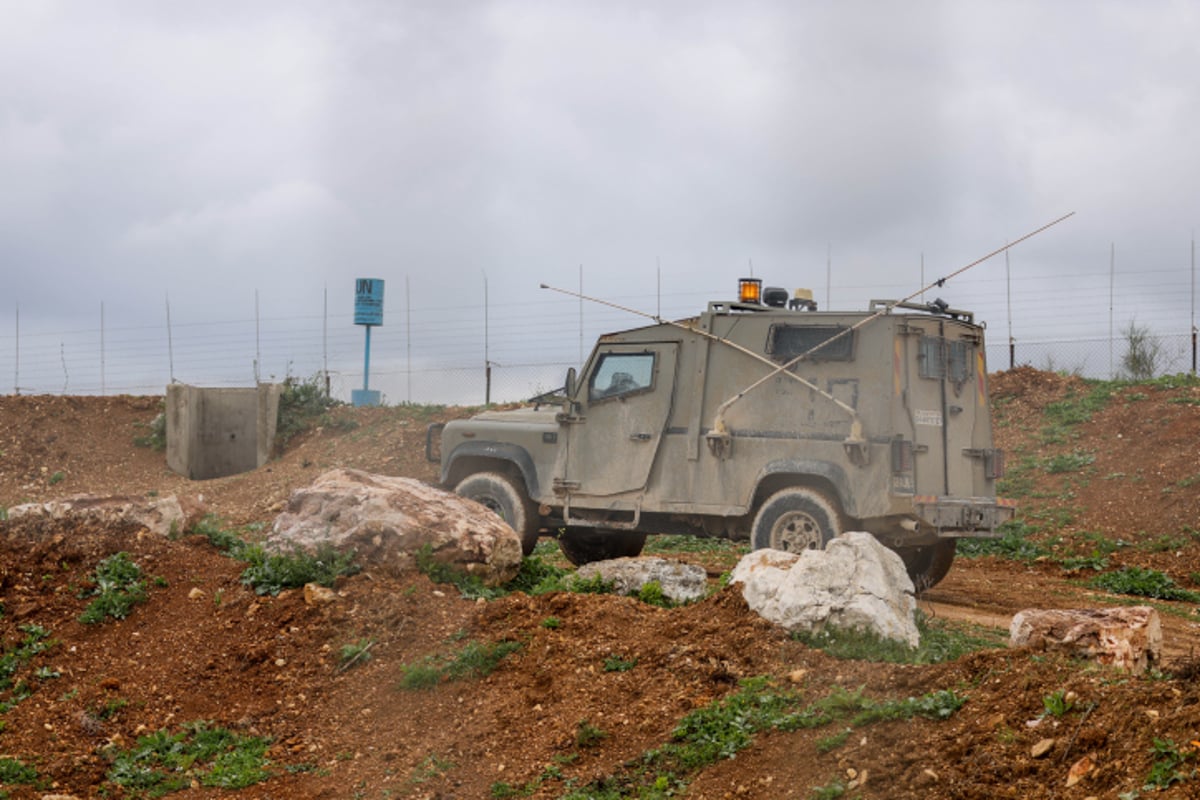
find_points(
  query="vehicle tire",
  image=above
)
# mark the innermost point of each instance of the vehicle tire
(795, 519)
(507, 498)
(929, 564)
(584, 545)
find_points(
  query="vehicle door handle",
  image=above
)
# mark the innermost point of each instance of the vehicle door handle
(640, 437)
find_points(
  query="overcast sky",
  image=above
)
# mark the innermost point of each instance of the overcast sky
(192, 154)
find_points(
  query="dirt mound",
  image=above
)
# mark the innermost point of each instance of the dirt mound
(591, 682)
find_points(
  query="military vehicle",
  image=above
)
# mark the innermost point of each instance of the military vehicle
(762, 418)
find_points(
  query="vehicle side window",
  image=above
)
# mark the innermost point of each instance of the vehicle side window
(619, 374)
(785, 342)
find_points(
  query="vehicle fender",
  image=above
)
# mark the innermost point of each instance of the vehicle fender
(830, 473)
(495, 451)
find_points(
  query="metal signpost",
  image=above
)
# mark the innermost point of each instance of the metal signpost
(368, 312)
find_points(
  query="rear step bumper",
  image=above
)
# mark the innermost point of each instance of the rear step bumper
(964, 516)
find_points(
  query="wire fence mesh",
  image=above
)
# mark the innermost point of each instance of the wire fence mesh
(442, 356)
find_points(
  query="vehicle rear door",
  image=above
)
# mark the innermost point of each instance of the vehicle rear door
(945, 403)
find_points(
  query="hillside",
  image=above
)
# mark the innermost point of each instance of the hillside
(594, 685)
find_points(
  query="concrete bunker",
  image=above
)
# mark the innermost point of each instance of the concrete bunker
(214, 432)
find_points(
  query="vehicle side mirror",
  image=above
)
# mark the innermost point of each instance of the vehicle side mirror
(569, 387)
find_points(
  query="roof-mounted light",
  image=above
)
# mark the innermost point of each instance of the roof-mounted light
(749, 290)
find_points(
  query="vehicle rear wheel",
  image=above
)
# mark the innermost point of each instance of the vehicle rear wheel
(584, 545)
(929, 564)
(507, 498)
(796, 519)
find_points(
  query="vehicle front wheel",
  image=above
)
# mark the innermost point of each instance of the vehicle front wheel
(929, 564)
(507, 498)
(584, 545)
(795, 519)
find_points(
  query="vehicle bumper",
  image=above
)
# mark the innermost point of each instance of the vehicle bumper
(964, 516)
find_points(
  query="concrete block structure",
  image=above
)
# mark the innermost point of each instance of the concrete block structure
(213, 432)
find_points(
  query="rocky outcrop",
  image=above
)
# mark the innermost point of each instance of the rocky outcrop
(162, 515)
(680, 582)
(1126, 638)
(855, 582)
(387, 520)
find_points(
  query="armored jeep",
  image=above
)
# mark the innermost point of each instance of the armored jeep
(762, 419)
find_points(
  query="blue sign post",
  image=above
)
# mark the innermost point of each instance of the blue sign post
(368, 312)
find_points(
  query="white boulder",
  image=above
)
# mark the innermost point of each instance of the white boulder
(162, 515)
(387, 520)
(680, 582)
(854, 583)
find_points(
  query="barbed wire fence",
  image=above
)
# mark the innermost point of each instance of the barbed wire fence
(472, 354)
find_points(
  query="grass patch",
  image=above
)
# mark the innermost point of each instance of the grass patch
(1068, 462)
(728, 726)
(475, 660)
(1141, 582)
(1063, 416)
(1015, 543)
(163, 762)
(536, 577)
(940, 641)
(118, 587)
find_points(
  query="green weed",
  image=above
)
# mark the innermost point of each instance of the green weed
(619, 664)
(358, 652)
(118, 588)
(430, 767)
(13, 771)
(1167, 767)
(1058, 703)
(302, 403)
(552, 623)
(155, 436)
(57, 478)
(830, 791)
(652, 594)
(832, 742)
(588, 735)
(271, 573)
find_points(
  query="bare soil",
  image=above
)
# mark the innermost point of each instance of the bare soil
(205, 647)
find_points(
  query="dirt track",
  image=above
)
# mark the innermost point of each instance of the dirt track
(204, 647)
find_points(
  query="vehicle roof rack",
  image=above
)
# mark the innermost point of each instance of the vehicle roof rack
(938, 307)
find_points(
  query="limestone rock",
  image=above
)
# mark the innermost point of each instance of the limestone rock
(855, 582)
(317, 595)
(1128, 638)
(680, 582)
(388, 519)
(1042, 748)
(162, 515)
